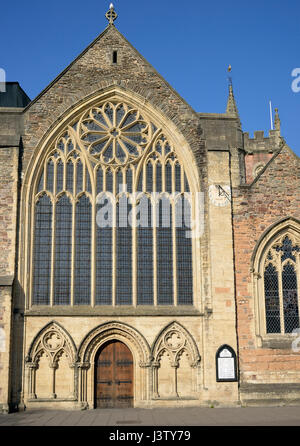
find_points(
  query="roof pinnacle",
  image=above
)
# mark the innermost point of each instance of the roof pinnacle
(277, 120)
(111, 14)
(231, 104)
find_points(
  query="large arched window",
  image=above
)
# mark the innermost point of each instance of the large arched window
(278, 263)
(112, 215)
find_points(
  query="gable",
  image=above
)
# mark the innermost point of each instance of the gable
(94, 71)
(281, 172)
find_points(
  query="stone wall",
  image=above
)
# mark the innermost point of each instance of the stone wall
(10, 128)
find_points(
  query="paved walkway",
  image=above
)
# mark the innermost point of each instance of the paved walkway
(249, 416)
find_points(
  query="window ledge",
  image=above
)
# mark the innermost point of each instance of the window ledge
(279, 341)
(141, 310)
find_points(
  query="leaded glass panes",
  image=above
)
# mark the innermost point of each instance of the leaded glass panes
(168, 178)
(70, 176)
(99, 180)
(290, 298)
(177, 178)
(158, 178)
(145, 277)
(42, 251)
(50, 176)
(63, 252)
(88, 182)
(83, 232)
(123, 258)
(281, 286)
(120, 182)
(149, 177)
(184, 253)
(59, 177)
(164, 246)
(129, 180)
(79, 177)
(109, 181)
(272, 299)
(104, 255)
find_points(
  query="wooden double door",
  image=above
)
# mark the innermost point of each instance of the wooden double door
(114, 376)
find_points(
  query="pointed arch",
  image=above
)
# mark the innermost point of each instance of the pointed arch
(183, 341)
(52, 351)
(276, 278)
(176, 361)
(80, 143)
(115, 330)
(40, 342)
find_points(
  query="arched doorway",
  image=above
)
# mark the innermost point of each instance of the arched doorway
(114, 376)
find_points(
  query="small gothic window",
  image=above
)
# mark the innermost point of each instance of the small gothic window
(281, 286)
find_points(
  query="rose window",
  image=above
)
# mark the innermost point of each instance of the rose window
(115, 133)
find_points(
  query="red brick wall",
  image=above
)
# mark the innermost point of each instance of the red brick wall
(253, 159)
(273, 196)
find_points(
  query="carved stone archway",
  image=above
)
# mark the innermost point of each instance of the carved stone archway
(90, 345)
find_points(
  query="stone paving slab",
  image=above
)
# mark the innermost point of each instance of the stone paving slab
(249, 416)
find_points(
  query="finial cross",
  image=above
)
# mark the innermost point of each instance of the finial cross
(111, 14)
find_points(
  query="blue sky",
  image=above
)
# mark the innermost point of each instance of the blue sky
(189, 43)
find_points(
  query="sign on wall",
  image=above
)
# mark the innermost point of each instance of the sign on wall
(226, 364)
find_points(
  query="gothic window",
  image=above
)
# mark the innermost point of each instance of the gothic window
(112, 215)
(281, 285)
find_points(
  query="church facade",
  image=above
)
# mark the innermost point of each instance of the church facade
(150, 254)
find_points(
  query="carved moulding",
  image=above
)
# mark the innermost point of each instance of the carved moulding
(174, 340)
(115, 330)
(53, 341)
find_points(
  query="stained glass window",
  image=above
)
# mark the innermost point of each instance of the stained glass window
(113, 144)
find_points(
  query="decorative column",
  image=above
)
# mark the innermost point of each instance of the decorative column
(31, 368)
(53, 366)
(147, 380)
(82, 385)
(175, 366)
(196, 372)
(74, 391)
(155, 366)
